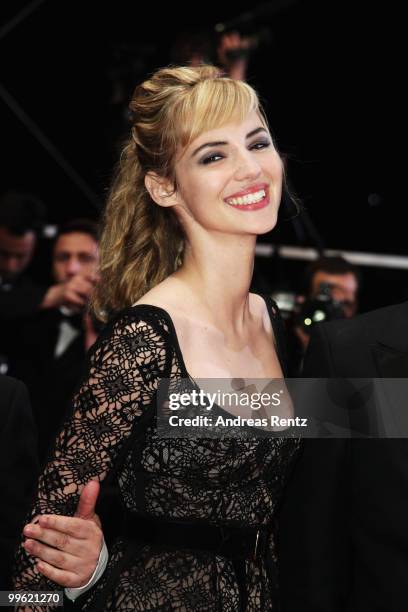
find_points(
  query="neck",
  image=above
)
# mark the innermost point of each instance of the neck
(218, 275)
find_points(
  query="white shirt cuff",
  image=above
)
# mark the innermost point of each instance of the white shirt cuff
(73, 593)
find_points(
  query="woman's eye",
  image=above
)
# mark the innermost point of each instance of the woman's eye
(260, 145)
(257, 146)
(211, 158)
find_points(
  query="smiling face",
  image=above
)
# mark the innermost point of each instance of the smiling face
(229, 179)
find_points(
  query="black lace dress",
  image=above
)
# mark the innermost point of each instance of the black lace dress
(224, 482)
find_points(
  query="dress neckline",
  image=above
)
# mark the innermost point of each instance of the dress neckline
(272, 316)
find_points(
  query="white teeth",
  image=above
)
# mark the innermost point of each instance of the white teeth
(251, 198)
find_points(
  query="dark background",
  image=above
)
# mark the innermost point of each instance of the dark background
(327, 73)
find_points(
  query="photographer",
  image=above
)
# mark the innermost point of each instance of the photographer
(331, 286)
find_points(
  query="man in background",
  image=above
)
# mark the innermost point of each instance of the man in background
(331, 287)
(54, 341)
(22, 218)
(343, 522)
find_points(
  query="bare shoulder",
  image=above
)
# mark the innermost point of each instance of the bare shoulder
(260, 311)
(166, 294)
(171, 296)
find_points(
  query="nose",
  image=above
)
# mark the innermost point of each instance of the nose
(248, 167)
(73, 266)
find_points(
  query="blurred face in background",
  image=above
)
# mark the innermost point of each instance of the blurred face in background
(16, 252)
(74, 253)
(344, 289)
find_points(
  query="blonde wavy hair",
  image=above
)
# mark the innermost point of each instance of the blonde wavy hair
(143, 243)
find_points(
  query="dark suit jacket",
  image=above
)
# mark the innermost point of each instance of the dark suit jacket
(51, 381)
(344, 520)
(18, 468)
(18, 302)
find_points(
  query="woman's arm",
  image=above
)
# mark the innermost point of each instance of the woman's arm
(124, 369)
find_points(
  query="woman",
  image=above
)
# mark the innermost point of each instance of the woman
(197, 182)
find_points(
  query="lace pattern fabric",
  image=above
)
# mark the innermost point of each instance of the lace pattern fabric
(223, 481)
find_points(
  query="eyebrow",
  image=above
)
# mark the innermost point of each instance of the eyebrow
(219, 143)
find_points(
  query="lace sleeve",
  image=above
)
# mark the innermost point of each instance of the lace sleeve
(123, 372)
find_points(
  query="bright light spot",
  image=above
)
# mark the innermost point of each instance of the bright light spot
(319, 315)
(307, 321)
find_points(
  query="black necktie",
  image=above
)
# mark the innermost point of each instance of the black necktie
(74, 320)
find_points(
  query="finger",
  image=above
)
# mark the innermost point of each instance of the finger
(62, 577)
(87, 501)
(85, 291)
(57, 539)
(58, 558)
(78, 287)
(82, 295)
(82, 284)
(73, 298)
(83, 288)
(74, 527)
(83, 281)
(92, 278)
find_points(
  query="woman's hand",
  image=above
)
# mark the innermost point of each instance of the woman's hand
(67, 548)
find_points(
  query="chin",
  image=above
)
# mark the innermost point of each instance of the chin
(266, 225)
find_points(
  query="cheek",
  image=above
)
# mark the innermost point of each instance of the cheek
(198, 194)
(89, 268)
(277, 180)
(58, 270)
(276, 170)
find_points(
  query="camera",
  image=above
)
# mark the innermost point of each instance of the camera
(322, 307)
